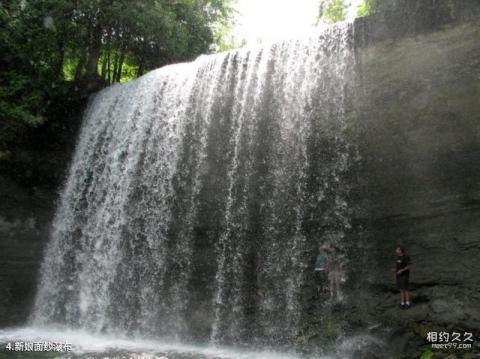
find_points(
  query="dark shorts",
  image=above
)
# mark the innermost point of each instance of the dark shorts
(402, 282)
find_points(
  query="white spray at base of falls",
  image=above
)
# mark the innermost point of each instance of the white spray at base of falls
(198, 196)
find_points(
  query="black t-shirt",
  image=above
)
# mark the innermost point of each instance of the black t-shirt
(402, 262)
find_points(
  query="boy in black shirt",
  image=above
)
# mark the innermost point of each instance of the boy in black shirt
(402, 276)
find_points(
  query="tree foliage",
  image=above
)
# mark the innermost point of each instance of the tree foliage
(367, 7)
(48, 45)
(334, 11)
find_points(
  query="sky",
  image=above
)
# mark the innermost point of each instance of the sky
(262, 21)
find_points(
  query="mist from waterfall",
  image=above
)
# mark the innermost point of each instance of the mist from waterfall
(199, 194)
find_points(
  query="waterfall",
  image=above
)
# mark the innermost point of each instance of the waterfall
(199, 194)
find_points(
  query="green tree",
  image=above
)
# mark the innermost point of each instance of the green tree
(334, 12)
(51, 46)
(225, 40)
(24, 68)
(367, 7)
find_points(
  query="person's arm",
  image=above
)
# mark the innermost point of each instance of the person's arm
(407, 267)
(404, 269)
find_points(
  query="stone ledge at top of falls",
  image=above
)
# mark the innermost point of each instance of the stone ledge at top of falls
(397, 19)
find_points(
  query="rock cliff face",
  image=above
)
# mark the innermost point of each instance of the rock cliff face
(415, 117)
(24, 220)
(30, 176)
(418, 110)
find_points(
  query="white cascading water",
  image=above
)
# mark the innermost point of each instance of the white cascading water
(198, 196)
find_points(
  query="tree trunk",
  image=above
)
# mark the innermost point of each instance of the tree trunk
(109, 68)
(58, 67)
(80, 65)
(120, 65)
(115, 64)
(140, 69)
(94, 55)
(103, 73)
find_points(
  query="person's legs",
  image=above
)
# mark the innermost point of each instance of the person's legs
(407, 293)
(318, 279)
(331, 278)
(402, 283)
(321, 281)
(335, 285)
